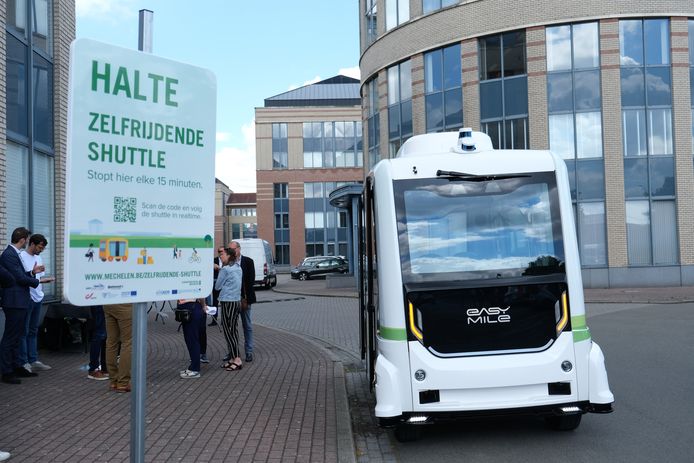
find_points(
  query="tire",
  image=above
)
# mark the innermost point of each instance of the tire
(303, 276)
(408, 433)
(563, 423)
(274, 283)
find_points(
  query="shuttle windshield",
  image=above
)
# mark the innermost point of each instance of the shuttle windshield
(479, 228)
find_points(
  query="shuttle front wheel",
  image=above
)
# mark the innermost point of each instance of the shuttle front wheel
(564, 422)
(408, 433)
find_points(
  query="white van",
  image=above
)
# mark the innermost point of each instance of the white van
(261, 253)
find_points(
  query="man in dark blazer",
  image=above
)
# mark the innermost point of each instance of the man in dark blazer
(16, 302)
(247, 292)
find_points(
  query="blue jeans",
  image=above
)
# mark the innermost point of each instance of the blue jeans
(192, 332)
(97, 342)
(28, 352)
(247, 330)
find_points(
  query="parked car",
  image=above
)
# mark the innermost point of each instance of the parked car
(319, 266)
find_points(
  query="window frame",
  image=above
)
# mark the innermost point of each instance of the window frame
(31, 147)
(646, 155)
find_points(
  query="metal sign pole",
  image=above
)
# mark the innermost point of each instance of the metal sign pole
(139, 351)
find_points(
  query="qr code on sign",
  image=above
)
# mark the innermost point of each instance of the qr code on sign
(124, 209)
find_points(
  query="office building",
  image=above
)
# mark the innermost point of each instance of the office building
(308, 142)
(606, 85)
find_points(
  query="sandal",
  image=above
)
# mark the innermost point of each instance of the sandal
(234, 367)
(228, 364)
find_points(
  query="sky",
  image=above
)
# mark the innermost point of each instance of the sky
(257, 49)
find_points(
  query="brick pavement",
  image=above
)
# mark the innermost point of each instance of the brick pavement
(285, 406)
(333, 323)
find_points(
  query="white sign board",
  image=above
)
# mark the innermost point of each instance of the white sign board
(140, 177)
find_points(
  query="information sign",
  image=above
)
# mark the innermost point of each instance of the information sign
(139, 215)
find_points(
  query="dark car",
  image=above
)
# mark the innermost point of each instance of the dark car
(319, 266)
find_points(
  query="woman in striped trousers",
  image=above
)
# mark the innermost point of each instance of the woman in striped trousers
(229, 286)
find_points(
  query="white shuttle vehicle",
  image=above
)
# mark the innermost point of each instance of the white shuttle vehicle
(471, 293)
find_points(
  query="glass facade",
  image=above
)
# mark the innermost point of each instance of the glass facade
(280, 146)
(333, 144)
(397, 12)
(280, 205)
(371, 16)
(432, 5)
(325, 225)
(443, 89)
(373, 122)
(504, 90)
(399, 105)
(574, 103)
(30, 126)
(649, 168)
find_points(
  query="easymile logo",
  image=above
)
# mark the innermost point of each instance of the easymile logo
(488, 315)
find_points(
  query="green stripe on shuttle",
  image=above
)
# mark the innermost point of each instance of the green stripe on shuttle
(581, 335)
(580, 329)
(578, 322)
(392, 334)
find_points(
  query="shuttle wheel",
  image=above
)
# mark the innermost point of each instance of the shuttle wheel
(408, 433)
(563, 423)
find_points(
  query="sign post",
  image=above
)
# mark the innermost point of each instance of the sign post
(140, 188)
(139, 333)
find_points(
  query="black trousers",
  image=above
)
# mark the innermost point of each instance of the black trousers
(15, 321)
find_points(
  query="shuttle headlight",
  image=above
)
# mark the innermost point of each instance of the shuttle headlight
(413, 326)
(564, 313)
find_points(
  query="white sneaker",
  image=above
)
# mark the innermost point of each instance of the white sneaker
(27, 367)
(40, 366)
(4, 455)
(188, 374)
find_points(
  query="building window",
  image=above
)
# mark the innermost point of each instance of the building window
(371, 15)
(243, 211)
(432, 5)
(504, 90)
(575, 128)
(280, 205)
(325, 225)
(397, 12)
(30, 164)
(649, 167)
(373, 122)
(443, 89)
(280, 156)
(236, 231)
(250, 230)
(333, 144)
(399, 105)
